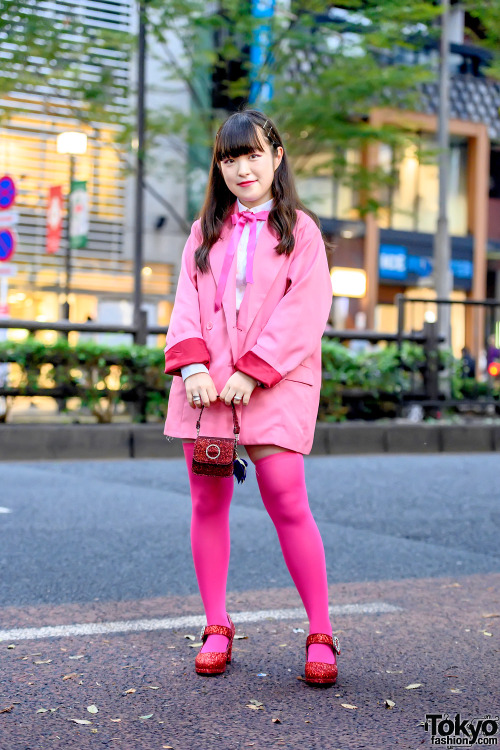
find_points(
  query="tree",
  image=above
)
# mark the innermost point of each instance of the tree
(329, 65)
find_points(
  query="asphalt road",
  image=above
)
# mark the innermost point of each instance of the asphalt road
(81, 531)
(100, 542)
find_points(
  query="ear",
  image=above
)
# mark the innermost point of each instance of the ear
(278, 157)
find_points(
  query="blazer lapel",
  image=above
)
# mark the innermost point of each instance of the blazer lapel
(266, 267)
(216, 257)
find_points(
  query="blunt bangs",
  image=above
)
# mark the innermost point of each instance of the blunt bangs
(238, 136)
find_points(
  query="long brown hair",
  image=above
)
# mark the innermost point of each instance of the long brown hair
(240, 134)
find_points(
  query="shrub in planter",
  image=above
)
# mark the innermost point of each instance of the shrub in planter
(100, 376)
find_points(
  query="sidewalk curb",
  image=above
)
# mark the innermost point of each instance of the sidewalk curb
(28, 442)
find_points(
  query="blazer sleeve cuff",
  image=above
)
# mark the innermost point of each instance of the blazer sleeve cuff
(186, 352)
(253, 365)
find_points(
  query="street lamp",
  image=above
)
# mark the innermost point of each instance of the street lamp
(74, 144)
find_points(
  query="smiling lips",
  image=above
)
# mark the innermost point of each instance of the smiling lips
(249, 182)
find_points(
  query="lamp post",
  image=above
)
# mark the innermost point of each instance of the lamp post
(74, 144)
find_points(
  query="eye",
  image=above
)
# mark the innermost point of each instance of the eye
(255, 155)
(228, 160)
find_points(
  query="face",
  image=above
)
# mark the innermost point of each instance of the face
(250, 176)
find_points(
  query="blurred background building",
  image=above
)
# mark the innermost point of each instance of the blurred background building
(392, 248)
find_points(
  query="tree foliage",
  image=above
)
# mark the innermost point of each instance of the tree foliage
(329, 66)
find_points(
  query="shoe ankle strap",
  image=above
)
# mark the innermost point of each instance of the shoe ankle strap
(216, 630)
(328, 640)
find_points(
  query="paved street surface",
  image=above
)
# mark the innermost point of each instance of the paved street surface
(98, 596)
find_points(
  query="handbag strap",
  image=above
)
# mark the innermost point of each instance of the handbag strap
(236, 424)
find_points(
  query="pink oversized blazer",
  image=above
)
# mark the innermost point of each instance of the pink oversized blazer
(275, 339)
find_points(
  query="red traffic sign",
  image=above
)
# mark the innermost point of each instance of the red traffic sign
(7, 244)
(7, 192)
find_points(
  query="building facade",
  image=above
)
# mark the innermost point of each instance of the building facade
(102, 271)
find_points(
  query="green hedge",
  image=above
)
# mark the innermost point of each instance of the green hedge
(369, 384)
(101, 376)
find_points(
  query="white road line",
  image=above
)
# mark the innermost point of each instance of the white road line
(191, 621)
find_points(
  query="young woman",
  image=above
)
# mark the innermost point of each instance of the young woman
(252, 302)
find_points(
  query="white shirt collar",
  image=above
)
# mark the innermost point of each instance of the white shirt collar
(263, 207)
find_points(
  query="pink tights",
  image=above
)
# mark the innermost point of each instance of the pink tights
(281, 481)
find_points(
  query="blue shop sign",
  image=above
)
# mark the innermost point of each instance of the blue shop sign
(392, 262)
(396, 263)
(420, 265)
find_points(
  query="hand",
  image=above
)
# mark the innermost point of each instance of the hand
(200, 384)
(239, 385)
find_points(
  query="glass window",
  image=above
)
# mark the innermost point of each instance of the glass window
(317, 194)
(412, 203)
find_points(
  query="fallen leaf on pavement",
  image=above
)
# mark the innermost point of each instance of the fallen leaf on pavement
(276, 720)
(11, 645)
(148, 716)
(413, 685)
(394, 671)
(489, 614)
(70, 675)
(347, 705)
(127, 692)
(389, 703)
(115, 720)
(92, 709)
(81, 721)
(6, 710)
(191, 637)
(195, 645)
(80, 656)
(150, 687)
(485, 633)
(43, 661)
(240, 637)
(42, 711)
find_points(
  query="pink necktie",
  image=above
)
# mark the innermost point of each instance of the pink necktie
(239, 220)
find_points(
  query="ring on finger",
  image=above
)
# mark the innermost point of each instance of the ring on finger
(237, 398)
(196, 398)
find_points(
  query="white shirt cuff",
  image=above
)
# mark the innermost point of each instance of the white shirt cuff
(188, 370)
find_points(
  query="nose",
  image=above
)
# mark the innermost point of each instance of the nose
(243, 167)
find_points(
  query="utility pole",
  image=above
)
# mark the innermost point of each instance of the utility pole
(443, 277)
(140, 318)
(67, 280)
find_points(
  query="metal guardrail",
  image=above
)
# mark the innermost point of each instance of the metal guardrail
(429, 397)
(68, 327)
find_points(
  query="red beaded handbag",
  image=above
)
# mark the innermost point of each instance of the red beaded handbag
(217, 457)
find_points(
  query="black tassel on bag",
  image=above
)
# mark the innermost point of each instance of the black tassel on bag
(240, 469)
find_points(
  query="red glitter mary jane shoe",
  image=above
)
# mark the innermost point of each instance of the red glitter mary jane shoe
(317, 672)
(213, 662)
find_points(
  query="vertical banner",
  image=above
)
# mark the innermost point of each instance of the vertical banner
(79, 224)
(54, 219)
(261, 90)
